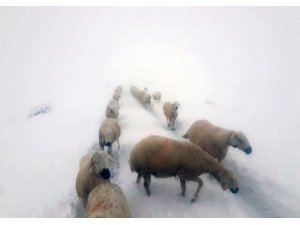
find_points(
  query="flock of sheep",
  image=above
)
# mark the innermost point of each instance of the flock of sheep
(155, 155)
(99, 196)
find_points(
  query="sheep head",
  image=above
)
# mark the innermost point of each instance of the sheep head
(176, 105)
(239, 140)
(100, 164)
(228, 180)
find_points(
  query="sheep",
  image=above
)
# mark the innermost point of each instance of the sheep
(156, 96)
(146, 100)
(109, 132)
(165, 157)
(139, 95)
(216, 140)
(118, 89)
(116, 96)
(112, 109)
(170, 111)
(113, 102)
(93, 170)
(112, 112)
(107, 200)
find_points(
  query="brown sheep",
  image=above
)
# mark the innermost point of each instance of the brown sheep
(94, 170)
(216, 140)
(109, 132)
(170, 111)
(165, 157)
(107, 200)
(156, 96)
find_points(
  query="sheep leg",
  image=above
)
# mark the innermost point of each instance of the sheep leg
(138, 179)
(110, 150)
(183, 186)
(118, 144)
(147, 180)
(200, 184)
(173, 123)
(168, 122)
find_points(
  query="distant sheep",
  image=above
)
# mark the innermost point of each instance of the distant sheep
(164, 157)
(170, 111)
(113, 102)
(156, 96)
(118, 89)
(94, 170)
(116, 96)
(109, 132)
(107, 201)
(146, 100)
(112, 109)
(216, 140)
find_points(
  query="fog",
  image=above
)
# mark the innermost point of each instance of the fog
(234, 66)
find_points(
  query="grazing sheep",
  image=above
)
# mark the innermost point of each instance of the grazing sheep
(94, 170)
(156, 96)
(216, 140)
(146, 100)
(165, 157)
(107, 200)
(109, 132)
(170, 111)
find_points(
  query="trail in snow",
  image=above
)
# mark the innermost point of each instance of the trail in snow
(257, 196)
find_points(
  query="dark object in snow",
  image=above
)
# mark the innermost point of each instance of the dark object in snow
(105, 173)
(43, 109)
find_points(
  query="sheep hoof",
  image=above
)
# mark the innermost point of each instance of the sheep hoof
(193, 200)
(173, 128)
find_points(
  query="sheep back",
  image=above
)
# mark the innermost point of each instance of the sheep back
(107, 200)
(110, 125)
(212, 139)
(165, 157)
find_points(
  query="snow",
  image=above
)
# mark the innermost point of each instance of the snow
(235, 66)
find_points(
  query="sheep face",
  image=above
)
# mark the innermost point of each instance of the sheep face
(176, 105)
(229, 181)
(239, 140)
(100, 163)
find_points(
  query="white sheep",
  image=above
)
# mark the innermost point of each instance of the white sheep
(156, 96)
(109, 132)
(107, 201)
(170, 111)
(216, 140)
(94, 170)
(164, 157)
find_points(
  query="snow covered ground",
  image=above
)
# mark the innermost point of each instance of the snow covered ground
(235, 66)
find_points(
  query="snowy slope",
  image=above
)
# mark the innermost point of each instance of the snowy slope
(234, 66)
